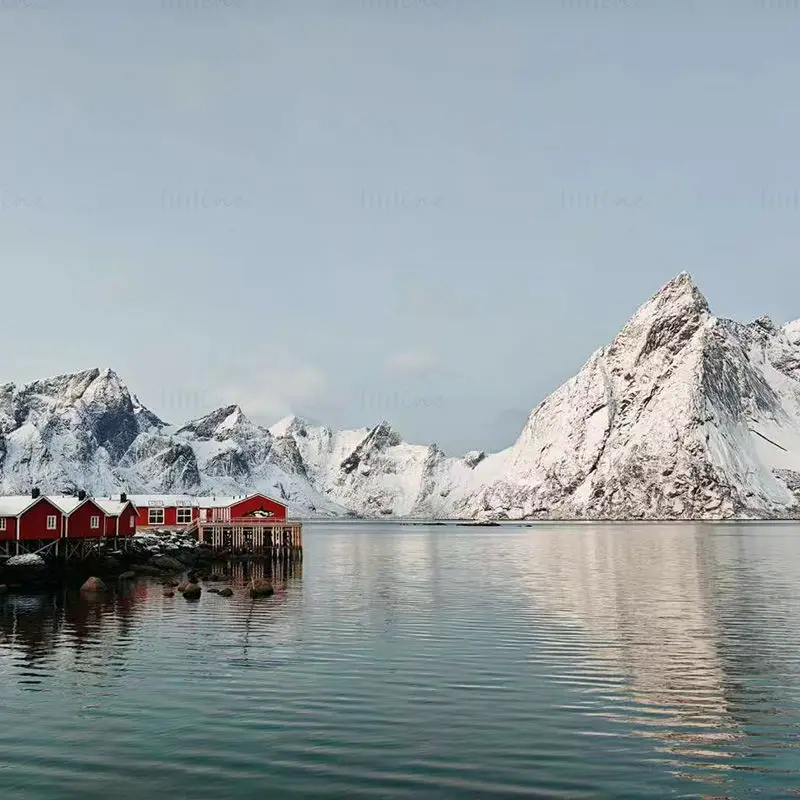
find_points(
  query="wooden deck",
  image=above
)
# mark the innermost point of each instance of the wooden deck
(250, 535)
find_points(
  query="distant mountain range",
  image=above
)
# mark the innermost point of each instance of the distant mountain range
(684, 415)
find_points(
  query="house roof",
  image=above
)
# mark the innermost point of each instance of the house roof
(184, 501)
(12, 505)
(113, 508)
(66, 503)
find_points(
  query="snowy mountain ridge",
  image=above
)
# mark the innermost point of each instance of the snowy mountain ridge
(683, 415)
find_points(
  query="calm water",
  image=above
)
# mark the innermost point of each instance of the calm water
(556, 661)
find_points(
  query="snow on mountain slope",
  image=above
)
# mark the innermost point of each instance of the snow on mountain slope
(683, 415)
(86, 431)
(374, 472)
(671, 420)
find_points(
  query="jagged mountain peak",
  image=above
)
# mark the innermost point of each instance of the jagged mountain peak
(383, 435)
(291, 424)
(218, 423)
(677, 297)
(792, 331)
(662, 326)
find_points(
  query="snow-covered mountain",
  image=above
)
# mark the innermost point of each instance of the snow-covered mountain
(86, 431)
(683, 415)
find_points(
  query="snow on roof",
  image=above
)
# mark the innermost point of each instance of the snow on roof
(111, 507)
(184, 501)
(66, 503)
(11, 505)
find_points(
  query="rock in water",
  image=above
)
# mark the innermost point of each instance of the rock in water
(3, 589)
(192, 591)
(127, 576)
(93, 585)
(261, 588)
(169, 593)
(227, 592)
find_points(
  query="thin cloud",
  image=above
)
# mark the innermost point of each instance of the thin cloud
(412, 363)
(278, 393)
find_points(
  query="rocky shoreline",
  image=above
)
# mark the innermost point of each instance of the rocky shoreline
(165, 555)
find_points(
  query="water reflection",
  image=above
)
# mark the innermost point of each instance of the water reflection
(65, 631)
(687, 634)
(580, 660)
(91, 635)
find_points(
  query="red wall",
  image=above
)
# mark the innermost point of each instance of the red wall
(125, 517)
(79, 522)
(239, 509)
(11, 529)
(111, 525)
(125, 529)
(33, 523)
(170, 513)
(242, 508)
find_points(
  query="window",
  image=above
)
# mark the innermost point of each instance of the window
(51, 522)
(94, 522)
(133, 523)
(184, 516)
(155, 516)
(2, 524)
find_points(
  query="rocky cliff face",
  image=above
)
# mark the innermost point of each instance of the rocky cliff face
(684, 415)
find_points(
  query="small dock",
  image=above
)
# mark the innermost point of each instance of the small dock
(251, 535)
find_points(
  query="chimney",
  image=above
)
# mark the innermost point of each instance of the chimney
(81, 495)
(123, 498)
(35, 492)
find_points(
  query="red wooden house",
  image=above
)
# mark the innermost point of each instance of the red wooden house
(41, 520)
(82, 517)
(120, 516)
(175, 511)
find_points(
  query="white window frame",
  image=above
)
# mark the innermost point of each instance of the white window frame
(52, 522)
(133, 521)
(2, 523)
(183, 511)
(94, 522)
(151, 512)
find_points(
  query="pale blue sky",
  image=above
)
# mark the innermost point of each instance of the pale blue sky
(429, 211)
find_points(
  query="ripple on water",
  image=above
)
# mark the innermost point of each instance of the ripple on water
(554, 661)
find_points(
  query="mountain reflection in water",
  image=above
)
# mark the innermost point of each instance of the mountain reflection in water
(412, 661)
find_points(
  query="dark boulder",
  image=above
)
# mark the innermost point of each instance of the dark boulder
(93, 585)
(260, 588)
(226, 592)
(193, 591)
